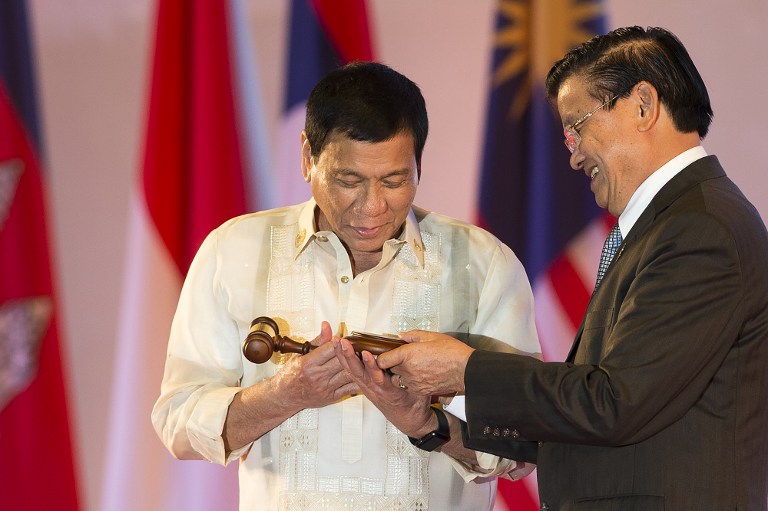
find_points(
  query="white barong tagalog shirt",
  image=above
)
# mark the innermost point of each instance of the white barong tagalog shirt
(439, 275)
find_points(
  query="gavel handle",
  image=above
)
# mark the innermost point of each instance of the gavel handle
(264, 339)
(375, 344)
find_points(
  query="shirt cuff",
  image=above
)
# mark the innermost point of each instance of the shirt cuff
(489, 465)
(206, 425)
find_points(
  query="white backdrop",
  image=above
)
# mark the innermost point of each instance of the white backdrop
(93, 77)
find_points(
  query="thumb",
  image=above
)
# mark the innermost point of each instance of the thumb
(326, 334)
(392, 358)
(410, 335)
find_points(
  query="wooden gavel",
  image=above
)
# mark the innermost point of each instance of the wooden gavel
(264, 339)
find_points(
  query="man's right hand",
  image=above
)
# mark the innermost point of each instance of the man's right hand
(431, 364)
(313, 380)
(316, 379)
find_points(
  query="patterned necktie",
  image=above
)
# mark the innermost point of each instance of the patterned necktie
(612, 243)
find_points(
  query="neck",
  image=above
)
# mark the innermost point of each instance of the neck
(361, 261)
(364, 261)
(665, 142)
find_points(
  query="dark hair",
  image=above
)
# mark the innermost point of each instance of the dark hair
(366, 101)
(615, 62)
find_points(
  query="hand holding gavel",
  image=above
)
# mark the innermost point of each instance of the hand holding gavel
(264, 339)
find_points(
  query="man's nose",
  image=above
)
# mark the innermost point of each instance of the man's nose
(577, 159)
(374, 200)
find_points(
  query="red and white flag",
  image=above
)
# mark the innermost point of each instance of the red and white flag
(37, 471)
(200, 169)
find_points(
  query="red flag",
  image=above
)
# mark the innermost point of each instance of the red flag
(194, 178)
(35, 442)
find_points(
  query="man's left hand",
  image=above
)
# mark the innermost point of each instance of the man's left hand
(408, 412)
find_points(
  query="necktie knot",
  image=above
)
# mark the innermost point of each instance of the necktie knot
(611, 245)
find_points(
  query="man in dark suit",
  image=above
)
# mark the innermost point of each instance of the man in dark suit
(662, 401)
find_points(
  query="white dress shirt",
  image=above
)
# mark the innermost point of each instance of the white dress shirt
(439, 275)
(651, 186)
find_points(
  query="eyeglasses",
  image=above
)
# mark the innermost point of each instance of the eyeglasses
(572, 137)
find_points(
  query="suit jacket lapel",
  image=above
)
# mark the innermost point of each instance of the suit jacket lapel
(701, 170)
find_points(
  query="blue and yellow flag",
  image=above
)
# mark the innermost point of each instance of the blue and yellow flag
(529, 196)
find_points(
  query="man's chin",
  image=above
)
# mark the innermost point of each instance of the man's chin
(602, 203)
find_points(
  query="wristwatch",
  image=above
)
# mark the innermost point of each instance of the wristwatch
(436, 438)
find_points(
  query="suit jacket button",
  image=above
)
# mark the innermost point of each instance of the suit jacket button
(496, 432)
(544, 506)
(506, 432)
(487, 430)
(515, 433)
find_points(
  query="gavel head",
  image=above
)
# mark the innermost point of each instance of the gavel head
(260, 343)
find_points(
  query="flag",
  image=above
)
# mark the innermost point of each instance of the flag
(529, 196)
(37, 469)
(324, 34)
(202, 165)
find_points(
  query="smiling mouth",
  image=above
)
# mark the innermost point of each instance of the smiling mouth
(367, 232)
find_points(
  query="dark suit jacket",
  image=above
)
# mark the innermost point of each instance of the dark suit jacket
(663, 400)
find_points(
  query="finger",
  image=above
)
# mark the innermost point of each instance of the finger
(392, 358)
(326, 334)
(374, 373)
(338, 379)
(410, 335)
(348, 359)
(347, 389)
(341, 355)
(321, 355)
(424, 336)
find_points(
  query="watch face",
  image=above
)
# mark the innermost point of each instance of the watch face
(432, 441)
(436, 438)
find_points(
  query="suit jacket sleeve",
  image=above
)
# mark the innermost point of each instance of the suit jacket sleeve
(652, 339)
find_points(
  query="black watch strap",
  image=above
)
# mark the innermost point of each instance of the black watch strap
(436, 438)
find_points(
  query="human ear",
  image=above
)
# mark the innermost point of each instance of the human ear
(306, 157)
(648, 105)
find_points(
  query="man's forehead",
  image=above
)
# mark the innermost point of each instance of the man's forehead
(571, 98)
(342, 143)
(344, 156)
